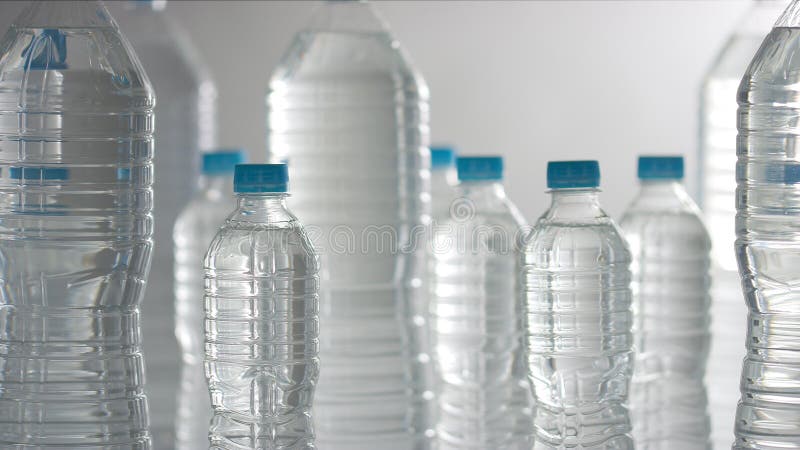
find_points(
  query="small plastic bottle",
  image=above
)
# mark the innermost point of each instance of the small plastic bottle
(262, 319)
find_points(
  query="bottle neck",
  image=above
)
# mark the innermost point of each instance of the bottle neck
(663, 195)
(761, 16)
(64, 14)
(575, 204)
(791, 16)
(146, 5)
(443, 177)
(483, 189)
(347, 16)
(262, 208)
(217, 186)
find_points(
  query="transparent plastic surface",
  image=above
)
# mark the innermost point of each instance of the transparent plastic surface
(261, 328)
(768, 240)
(716, 196)
(575, 284)
(350, 114)
(186, 125)
(671, 262)
(473, 320)
(76, 123)
(194, 230)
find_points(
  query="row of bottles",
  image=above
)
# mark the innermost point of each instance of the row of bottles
(403, 362)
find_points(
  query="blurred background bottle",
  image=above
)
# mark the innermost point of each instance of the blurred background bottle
(473, 304)
(186, 126)
(575, 283)
(671, 260)
(195, 228)
(349, 113)
(261, 319)
(76, 118)
(716, 197)
(767, 210)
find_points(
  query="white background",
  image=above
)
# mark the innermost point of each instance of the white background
(533, 81)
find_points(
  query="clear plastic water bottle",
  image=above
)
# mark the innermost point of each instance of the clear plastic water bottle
(417, 318)
(671, 261)
(473, 310)
(717, 186)
(348, 111)
(76, 118)
(576, 285)
(186, 126)
(194, 230)
(767, 209)
(262, 319)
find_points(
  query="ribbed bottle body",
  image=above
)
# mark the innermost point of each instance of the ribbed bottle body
(768, 202)
(473, 319)
(671, 261)
(76, 123)
(576, 289)
(261, 329)
(195, 228)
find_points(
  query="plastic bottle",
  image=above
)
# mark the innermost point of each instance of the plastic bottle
(350, 114)
(261, 319)
(671, 261)
(76, 117)
(575, 282)
(194, 230)
(768, 177)
(473, 310)
(717, 185)
(186, 126)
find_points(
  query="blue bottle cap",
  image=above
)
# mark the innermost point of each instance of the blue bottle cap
(222, 161)
(39, 173)
(573, 174)
(442, 157)
(479, 168)
(261, 178)
(660, 167)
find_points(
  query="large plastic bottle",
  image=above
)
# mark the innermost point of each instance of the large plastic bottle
(767, 209)
(350, 114)
(671, 261)
(76, 123)
(196, 226)
(186, 126)
(261, 319)
(717, 186)
(473, 315)
(576, 286)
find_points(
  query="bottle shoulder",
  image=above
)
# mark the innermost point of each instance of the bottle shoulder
(239, 245)
(584, 245)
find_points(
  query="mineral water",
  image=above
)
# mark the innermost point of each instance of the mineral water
(76, 123)
(444, 178)
(348, 111)
(767, 236)
(671, 261)
(195, 228)
(261, 319)
(473, 314)
(717, 198)
(576, 286)
(186, 126)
